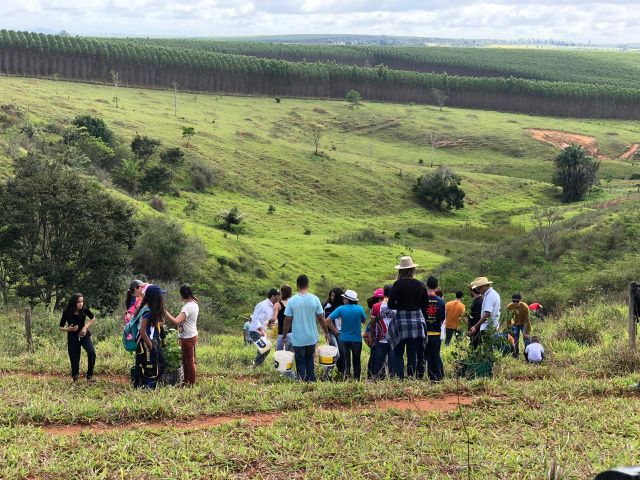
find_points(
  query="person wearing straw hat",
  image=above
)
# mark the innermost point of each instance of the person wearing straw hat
(352, 317)
(490, 306)
(407, 332)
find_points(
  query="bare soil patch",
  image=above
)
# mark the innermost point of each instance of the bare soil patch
(563, 140)
(633, 149)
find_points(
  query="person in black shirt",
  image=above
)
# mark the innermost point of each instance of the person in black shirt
(74, 322)
(475, 314)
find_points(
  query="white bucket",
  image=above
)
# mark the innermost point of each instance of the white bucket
(283, 360)
(327, 355)
(263, 344)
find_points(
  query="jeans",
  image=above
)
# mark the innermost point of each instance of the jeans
(381, 353)
(435, 368)
(75, 344)
(350, 348)
(287, 343)
(449, 334)
(304, 362)
(259, 360)
(150, 363)
(516, 330)
(412, 345)
(188, 351)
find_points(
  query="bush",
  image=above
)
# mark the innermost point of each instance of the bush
(202, 175)
(95, 127)
(616, 359)
(366, 236)
(157, 203)
(634, 176)
(157, 178)
(575, 172)
(580, 327)
(439, 188)
(232, 220)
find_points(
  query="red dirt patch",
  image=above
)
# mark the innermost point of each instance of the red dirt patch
(629, 153)
(445, 404)
(563, 140)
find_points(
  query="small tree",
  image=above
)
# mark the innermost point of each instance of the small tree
(271, 210)
(115, 79)
(439, 188)
(96, 127)
(575, 172)
(188, 132)
(232, 220)
(175, 98)
(173, 158)
(143, 148)
(544, 219)
(191, 207)
(128, 175)
(439, 97)
(316, 131)
(353, 98)
(157, 178)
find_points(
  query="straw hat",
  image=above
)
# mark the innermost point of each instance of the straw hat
(406, 262)
(350, 295)
(480, 282)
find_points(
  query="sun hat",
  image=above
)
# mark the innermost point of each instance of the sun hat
(405, 263)
(379, 293)
(480, 282)
(153, 290)
(350, 295)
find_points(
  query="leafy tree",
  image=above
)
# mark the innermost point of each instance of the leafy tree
(316, 131)
(172, 157)
(128, 175)
(353, 98)
(156, 179)
(165, 252)
(64, 234)
(439, 188)
(143, 148)
(232, 220)
(100, 154)
(575, 172)
(96, 127)
(188, 132)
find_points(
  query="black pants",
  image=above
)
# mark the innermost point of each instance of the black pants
(415, 348)
(150, 364)
(75, 344)
(449, 334)
(435, 368)
(354, 348)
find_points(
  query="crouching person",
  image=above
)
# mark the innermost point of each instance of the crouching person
(534, 352)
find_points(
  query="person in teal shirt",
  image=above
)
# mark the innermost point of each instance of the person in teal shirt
(300, 315)
(352, 316)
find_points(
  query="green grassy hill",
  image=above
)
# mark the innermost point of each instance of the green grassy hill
(327, 206)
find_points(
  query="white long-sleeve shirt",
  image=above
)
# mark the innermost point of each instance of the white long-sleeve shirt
(261, 315)
(491, 303)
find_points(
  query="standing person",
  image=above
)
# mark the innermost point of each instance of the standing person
(186, 321)
(133, 299)
(300, 317)
(352, 317)
(261, 318)
(474, 315)
(490, 307)
(278, 316)
(409, 298)
(434, 316)
(333, 302)
(150, 359)
(369, 337)
(453, 312)
(519, 322)
(382, 352)
(74, 323)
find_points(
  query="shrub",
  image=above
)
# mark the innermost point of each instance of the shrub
(157, 203)
(580, 327)
(157, 178)
(367, 236)
(423, 232)
(307, 231)
(232, 220)
(616, 359)
(271, 210)
(95, 127)
(202, 174)
(575, 172)
(634, 176)
(439, 188)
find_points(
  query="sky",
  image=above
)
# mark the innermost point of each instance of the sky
(611, 21)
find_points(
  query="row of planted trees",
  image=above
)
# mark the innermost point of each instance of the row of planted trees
(138, 64)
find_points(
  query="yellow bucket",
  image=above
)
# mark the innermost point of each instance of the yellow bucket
(327, 355)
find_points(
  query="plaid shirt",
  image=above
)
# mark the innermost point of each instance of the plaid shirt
(407, 324)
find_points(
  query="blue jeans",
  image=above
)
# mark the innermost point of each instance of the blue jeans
(516, 330)
(412, 345)
(255, 336)
(381, 353)
(287, 343)
(304, 362)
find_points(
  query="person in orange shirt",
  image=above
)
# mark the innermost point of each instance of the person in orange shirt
(454, 310)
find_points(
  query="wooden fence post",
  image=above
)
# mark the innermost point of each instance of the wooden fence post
(633, 291)
(27, 329)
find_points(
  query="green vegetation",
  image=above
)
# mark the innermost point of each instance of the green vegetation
(440, 188)
(576, 173)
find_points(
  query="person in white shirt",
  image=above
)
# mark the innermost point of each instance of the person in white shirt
(260, 320)
(534, 352)
(490, 306)
(186, 321)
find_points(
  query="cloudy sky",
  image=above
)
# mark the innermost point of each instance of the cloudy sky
(612, 21)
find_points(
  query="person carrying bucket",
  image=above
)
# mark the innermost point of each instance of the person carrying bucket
(352, 317)
(333, 302)
(262, 315)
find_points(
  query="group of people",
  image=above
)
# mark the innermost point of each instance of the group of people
(145, 306)
(407, 323)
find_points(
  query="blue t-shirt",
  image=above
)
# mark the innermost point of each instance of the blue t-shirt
(352, 317)
(303, 309)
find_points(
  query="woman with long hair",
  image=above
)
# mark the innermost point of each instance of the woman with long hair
(133, 299)
(407, 331)
(149, 356)
(74, 323)
(334, 300)
(278, 315)
(186, 321)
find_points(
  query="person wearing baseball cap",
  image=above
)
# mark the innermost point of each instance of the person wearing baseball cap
(352, 317)
(490, 306)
